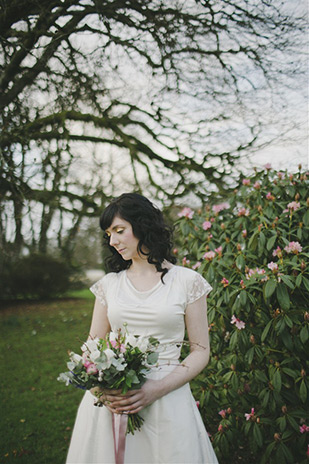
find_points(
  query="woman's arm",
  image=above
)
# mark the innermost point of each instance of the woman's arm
(100, 324)
(193, 364)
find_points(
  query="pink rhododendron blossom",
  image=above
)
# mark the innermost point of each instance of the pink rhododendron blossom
(244, 233)
(269, 196)
(175, 251)
(304, 428)
(209, 255)
(293, 247)
(273, 266)
(206, 225)
(220, 207)
(252, 272)
(267, 166)
(197, 404)
(280, 175)
(186, 212)
(238, 323)
(243, 212)
(277, 252)
(249, 416)
(246, 182)
(294, 205)
(242, 284)
(220, 428)
(225, 282)
(222, 413)
(257, 185)
(185, 261)
(196, 265)
(219, 250)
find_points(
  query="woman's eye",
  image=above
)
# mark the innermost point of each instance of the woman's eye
(120, 231)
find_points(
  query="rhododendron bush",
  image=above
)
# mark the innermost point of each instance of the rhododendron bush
(254, 251)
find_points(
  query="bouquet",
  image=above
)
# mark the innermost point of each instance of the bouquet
(119, 361)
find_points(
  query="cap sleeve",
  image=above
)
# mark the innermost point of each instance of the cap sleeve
(197, 288)
(98, 290)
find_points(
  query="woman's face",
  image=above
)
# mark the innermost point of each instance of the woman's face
(121, 237)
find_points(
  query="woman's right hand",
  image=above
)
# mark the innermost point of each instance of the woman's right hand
(108, 397)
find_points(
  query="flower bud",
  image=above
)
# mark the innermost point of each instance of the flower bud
(306, 316)
(299, 166)
(260, 209)
(297, 196)
(229, 410)
(233, 367)
(222, 225)
(307, 202)
(227, 239)
(238, 246)
(303, 265)
(303, 373)
(277, 437)
(258, 420)
(252, 339)
(284, 409)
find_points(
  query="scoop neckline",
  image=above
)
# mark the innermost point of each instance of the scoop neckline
(158, 284)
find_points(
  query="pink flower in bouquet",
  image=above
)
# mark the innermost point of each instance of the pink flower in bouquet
(244, 233)
(294, 205)
(273, 266)
(267, 166)
(222, 413)
(198, 404)
(186, 212)
(225, 282)
(238, 323)
(220, 428)
(206, 225)
(209, 255)
(220, 207)
(257, 185)
(246, 182)
(304, 428)
(249, 416)
(91, 369)
(185, 261)
(243, 212)
(280, 175)
(293, 247)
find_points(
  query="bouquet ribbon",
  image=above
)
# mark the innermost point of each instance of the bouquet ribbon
(119, 432)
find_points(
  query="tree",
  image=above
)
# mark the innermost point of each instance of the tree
(97, 95)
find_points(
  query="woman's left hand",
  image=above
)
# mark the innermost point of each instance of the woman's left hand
(135, 400)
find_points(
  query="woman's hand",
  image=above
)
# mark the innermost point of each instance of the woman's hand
(133, 401)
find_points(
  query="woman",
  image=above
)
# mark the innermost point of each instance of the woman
(146, 291)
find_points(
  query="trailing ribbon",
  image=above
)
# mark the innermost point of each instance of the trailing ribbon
(120, 422)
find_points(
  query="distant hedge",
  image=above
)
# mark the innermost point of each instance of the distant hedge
(34, 276)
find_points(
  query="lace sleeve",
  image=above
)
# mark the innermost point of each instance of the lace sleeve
(197, 288)
(98, 290)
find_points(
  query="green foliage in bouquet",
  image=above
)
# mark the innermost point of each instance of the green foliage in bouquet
(253, 250)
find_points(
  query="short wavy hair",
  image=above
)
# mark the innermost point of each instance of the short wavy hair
(148, 226)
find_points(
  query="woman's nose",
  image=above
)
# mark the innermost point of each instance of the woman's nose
(113, 240)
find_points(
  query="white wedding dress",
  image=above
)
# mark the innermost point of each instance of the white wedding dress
(173, 431)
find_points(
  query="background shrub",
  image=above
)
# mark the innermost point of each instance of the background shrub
(253, 250)
(35, 276)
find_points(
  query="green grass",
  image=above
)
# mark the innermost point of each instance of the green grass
(37, 412)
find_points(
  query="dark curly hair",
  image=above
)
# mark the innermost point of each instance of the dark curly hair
(148, 227)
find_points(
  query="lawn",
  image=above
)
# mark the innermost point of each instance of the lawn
(37, 412)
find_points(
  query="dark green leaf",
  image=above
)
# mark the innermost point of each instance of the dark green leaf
(283, 296)
(287, 281)
(304, 334)
(271, 242)
(270, 287)
(257, 435)
(303, 391)
(266, 330)
(276, 381)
